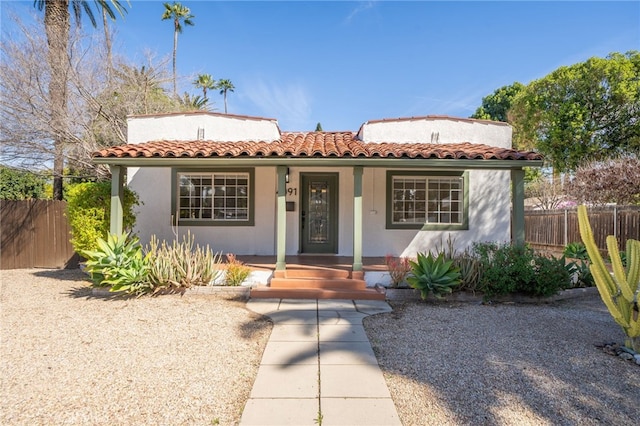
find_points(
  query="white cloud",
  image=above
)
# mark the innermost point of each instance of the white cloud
(361, 7)
(289, 103)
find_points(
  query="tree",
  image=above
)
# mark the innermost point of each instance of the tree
(180, 15)
(56, 23)
(205, 82)
(615, 180)
(318, 127)
(586, 111)
(193, 103)
(496, 105)
(225, 86)
(99, 105)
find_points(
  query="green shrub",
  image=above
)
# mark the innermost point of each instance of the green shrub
(236, 271)
(180, 265)
(576, 251)
(508, 269)
(433, 275)
(89, 213)
(580, 273)
(119, 264)
(20, 185)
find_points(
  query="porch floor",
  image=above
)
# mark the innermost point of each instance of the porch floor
(313, 261)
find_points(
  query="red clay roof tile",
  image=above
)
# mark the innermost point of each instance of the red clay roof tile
(313, 144)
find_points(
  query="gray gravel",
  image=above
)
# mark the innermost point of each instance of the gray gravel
(505, 364)
(67, 357)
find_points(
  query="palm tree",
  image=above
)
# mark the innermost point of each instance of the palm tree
(205, 82)
(56, 25)
(180, 15)
(225, 86)
(193, 103)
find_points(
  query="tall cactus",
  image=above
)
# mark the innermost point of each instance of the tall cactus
(619, 291)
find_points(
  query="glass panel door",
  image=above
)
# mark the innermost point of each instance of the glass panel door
(318, 221)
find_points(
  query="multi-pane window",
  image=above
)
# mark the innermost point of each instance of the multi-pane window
(214, 196)
(424, 200)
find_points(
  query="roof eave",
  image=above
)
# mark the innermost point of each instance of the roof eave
(319, 162)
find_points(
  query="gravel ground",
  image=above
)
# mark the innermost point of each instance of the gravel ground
(465, 364)
(69, 358)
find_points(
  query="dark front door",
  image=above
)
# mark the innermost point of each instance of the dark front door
(319, 213)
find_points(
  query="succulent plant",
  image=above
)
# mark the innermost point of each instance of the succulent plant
(433, 275)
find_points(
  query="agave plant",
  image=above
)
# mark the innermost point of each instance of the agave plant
(118, 263)
(433, 275)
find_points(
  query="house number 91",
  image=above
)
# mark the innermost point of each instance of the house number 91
(292, 191)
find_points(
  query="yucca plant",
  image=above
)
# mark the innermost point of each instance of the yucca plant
(433, 275)
(182, 264)
(619, 291)
(118, 263)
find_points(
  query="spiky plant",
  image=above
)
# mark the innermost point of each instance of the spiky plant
(619, 291)
(433, 275)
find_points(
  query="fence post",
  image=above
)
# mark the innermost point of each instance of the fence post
(566, 227)
(615, 221)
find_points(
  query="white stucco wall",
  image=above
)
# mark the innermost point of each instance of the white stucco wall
(217, 127)
(489, 217)
(154, 215)
(437, 130)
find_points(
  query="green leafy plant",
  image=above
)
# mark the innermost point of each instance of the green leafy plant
(236, 271)
(435, 275)
(89, 213)
(398, 267)
(510, 268)
(576, 251)
(119, 263)
(470, 270)
(619, 291)
(580, 273)
(181, 264)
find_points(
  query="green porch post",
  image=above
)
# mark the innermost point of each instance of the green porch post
(357, 218)
(117, 196)
(517, 206)
(281, 228)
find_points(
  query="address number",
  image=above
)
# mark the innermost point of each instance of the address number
(292, 191)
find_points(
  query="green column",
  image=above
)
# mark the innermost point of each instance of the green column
(357, 218)
(117, 196)
(281, 214)
(517, 206)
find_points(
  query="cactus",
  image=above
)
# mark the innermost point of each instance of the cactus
(619, 291)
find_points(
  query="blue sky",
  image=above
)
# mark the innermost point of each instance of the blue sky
(343, 63)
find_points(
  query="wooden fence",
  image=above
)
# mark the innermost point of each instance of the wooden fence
(554, 229)
(35, 234)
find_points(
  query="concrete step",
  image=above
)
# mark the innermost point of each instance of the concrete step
(313, 272)
(315, 293)
(334, 283)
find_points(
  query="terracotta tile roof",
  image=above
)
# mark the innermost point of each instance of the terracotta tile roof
(313, 144)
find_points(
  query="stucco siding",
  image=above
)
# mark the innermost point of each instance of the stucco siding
(214, 127)
(489, 217)
(439, 131)
(154, 216)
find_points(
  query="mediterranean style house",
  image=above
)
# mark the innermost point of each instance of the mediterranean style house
(395, 186)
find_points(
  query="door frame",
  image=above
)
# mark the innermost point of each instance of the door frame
(333, 182)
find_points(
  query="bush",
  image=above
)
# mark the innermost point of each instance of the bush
(89, 213)
(236, 271)
(576, 251)
(398, 267)
(181, 266)
(511, 268)
(20, 185)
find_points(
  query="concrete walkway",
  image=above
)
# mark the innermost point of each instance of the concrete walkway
(318, 366)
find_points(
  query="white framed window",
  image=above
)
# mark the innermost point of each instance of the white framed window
(214, 198)
(427, 201)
